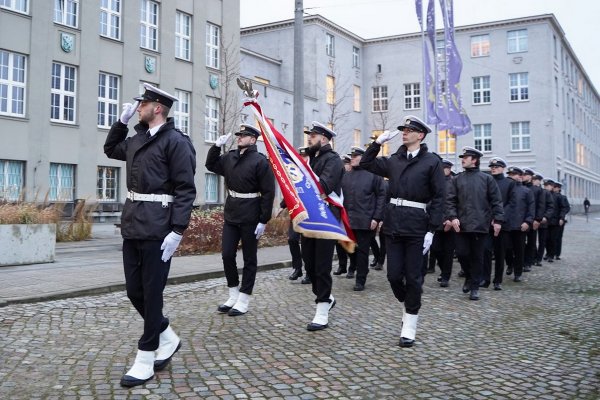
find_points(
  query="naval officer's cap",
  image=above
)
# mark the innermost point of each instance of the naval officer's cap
(248, 130)
(321, 129)
(497, 162)
(356, 151)
(415, 124)
(157, 95)
(469, 151)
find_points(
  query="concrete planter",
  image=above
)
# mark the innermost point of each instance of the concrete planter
(27, 244)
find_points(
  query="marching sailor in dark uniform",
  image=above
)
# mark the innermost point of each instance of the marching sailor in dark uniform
(543, 235)
(248, 208)
(473, 203)
(364, 197)
(416, 178)
(318, 253)
(540, 208)
(553, 221)
(564, 207)
(339, 249)
(161, 163)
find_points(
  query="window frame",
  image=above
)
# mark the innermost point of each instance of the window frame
(110, 103)
(478, 45)
(181, 110)
(482, 90)
(149, 29)
(63, 93)
(213, 46)
(379, 99)
(329, 44)
(103, 188)
(520, 136)
(355, 57)
(521, 90)
(112, 16)
(7, 179)
(412, 96)
(208, 187)
(518, 41)
(330, 89)
(185, 37)
(482, 137)
(55, 194)
(356, 103)
(7, 79)
(212, 130)
(64, 15)
(14, 6)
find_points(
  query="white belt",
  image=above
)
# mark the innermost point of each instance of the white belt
(406, 203)
(233, 193)
(165, 199)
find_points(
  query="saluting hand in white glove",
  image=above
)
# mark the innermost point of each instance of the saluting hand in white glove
(221, 140)
(169, 245)
(128, 111)
(260, 229)
(386, 135)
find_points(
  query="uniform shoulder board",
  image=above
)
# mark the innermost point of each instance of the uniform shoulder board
(182, 132)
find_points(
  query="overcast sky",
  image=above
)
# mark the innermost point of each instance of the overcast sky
(580, 19)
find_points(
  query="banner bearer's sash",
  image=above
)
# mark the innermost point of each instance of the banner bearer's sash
(303, 195)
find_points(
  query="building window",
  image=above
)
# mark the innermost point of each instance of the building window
(149, 25)
(440, 50)
(11, 179)
(519, 86)
(181, 108)
(356, 98)
(183, 36)
(357, 137)
(480, 45)
(482, 93)
(446, 142)
(517, 41)
(12, 84)
(380, 98)
(62, 104)
(355, 57)
(108, 99)
(520, 136)
(482, 134)
(107, 184)
(15, 5)
(330, 88)
(62, 182)
(211, 119)
(329, 45)
(66, 11)
(110, 18)
(213, 47)
(211, 188)
(412, 96)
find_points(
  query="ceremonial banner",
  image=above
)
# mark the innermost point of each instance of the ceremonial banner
(303, 195)
(430, 92)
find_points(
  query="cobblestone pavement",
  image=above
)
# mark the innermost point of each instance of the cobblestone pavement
(538, 339)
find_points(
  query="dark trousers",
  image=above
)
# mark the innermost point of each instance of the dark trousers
(232, 234)
(470, 249)
(375, 249)
(552, 240)
(145, 279)
(442, 252)
(515, 254)
(561, 230)
(382, 248)
(360, 258)
(542, 239)
(530, 247)
(318, 255)
(342, 256)
(294, 244)
(497, 245)
(404, 270)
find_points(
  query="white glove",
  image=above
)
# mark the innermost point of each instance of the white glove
(221, 140)
(169, 245)
(427, 242)
(386, 135)
(128, 111)
(260, 229)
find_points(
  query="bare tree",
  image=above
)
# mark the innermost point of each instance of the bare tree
(336, 96)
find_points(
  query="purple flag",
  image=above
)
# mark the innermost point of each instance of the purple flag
(430, 97)
(458, 122)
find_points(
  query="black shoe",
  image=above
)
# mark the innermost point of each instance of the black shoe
(557, 258)
(550, 260)
(340, 270)
(518, 278)
(430, 270)
(350, 275)
(223, 308)
(358, 287)
(378, 267)
(461, 273)
(404, 342)
(484, 284)
(545, 258)
(444, 283)
(439, 278)
(160, 365)
(538, 264)
(497, 286)
(466, 287)
(130, 381)
(296, 274)
(527, 268)
(509, 271)
(306, 280)
(474, 295)
(235, 313)
(373, 263)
